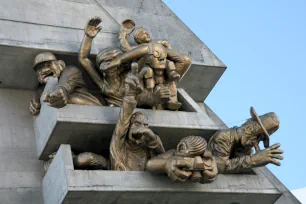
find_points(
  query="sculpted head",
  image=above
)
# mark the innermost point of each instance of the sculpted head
(138, 121)
(191, 146)
(46, 65)
(104, 58)
(253, 133)
(141, 36)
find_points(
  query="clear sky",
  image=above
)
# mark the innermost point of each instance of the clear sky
(263, 44)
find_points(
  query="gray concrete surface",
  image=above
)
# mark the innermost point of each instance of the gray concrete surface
(20, 171)
(89, 128)
(63, 184)
(28, 27)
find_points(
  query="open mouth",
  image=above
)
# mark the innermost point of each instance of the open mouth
(47, 75)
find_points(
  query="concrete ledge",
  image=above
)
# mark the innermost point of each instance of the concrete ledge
(89, 128)
(63, 184)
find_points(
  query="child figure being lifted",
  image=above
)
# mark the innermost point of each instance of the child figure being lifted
(160, 64)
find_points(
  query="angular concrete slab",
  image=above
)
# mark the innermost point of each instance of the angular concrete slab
(27, 28)
(89, 128)
(63, 184)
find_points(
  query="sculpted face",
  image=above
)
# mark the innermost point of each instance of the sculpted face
(112, 73)
(253, 133)
(142, 36)
(49, 69)
(138, 121)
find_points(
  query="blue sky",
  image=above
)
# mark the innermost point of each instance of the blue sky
(263, 45)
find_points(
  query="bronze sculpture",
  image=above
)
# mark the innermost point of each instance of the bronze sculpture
(71, 88)
(233, 147)
(83, 161)
(190, 161)
(133, 143)
(111, 83)
(164, 65)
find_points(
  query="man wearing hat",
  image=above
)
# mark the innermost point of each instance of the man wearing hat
(71, 88)
(232, 147)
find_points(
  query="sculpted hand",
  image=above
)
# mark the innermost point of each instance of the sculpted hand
(145, 136)
(162, 95)
(267, 156)
(175, 166)
(92, 28)
(211, 169)
(108, 92)
(165, 43)
(132, 85)
(35, 106)
(57, 98)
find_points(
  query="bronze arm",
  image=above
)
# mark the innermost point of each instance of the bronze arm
(130, 56)
(71, 78)
(87, 63)
(124, 44)
(182, 62)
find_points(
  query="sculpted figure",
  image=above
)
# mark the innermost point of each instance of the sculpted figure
(163, 65)
(133, 143)
(190, 161)
(111, 83)
(85, 160)
(71, 87)
(233, 147)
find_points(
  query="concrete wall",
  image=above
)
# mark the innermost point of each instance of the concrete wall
(20, 171)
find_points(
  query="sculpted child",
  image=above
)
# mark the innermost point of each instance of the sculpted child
(111, 80)
(164, 65)
(71, 88)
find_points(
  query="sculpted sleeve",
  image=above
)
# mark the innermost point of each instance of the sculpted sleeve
(221, 145)
(121, 129)
(71, 78)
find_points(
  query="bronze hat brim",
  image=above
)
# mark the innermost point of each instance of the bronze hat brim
(36, 65)
(255, 117)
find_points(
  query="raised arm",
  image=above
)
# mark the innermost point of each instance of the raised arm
(130, 56)
(91, 30)
(124, 44)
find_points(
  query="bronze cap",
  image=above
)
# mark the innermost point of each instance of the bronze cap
(43, 57)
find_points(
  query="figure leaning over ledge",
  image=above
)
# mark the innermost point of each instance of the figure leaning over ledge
(190, 161)
(111, 83)
(233, 147)
(71, 88)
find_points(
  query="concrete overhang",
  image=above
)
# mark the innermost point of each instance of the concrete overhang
(89, 128)
(28, 27)
(64, 184)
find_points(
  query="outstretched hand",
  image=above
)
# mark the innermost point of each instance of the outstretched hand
(92, 28)
(57, 98)
(175, 168)
(132, 84)
(267, 156)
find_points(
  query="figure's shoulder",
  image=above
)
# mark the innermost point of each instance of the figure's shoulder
(72, 69)
(222, 136)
